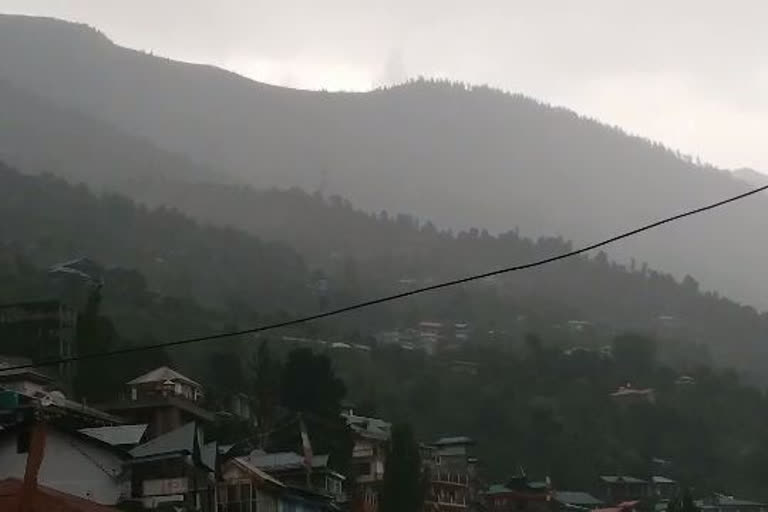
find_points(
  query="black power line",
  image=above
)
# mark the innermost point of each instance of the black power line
(397, 296)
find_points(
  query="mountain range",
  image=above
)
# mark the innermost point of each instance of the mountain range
(460, 156)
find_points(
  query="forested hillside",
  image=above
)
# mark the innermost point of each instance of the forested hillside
(460, 156)
(51, 221)
(342, 255)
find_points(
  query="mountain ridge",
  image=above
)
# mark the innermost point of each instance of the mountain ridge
(460, 156)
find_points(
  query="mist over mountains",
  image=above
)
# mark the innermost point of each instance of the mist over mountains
(459, 156)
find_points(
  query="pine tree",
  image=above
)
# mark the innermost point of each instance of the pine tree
(403, 489)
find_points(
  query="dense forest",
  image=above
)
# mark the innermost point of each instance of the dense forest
(328, 254)
(461, 156)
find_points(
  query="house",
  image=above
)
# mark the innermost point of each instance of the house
(175, 467)
(664, 488)
(628, 396)
(723, 503)
(452, 474)
(290, 468)
(371, 437)
(575, 500)
(243, 486)
(45, 499)
(72, 463)
(431, 334)
(621, 488)
(685, 382)
(22, 390)
(624, 506)
(40, 330)
(164, 399)
(518, 494)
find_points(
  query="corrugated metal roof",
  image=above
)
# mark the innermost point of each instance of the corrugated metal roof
(446, 441)
(662, 480)
(284, 460)
(614, 479)
(368, 427)
(118, 435)
(576, 498)
(161, 375)
(179, 440)
(245, 463)
(498, 489)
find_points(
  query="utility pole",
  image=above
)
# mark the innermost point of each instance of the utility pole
(307, 447)
(35, 454)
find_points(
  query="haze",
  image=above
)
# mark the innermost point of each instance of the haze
(690, 74)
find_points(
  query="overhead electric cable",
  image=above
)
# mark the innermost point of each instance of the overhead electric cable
(390, 298)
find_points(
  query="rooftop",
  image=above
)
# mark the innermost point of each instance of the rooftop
(576, 498)
(246, 464)
(118, 435)
(450, 441)
(368, 427)
(283, 461)
(163, 374)
(33, 374)
(616, 479)
(181, 440)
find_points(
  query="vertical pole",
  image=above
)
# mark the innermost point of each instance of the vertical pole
(34, 461)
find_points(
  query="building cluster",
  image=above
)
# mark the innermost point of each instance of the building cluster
(429, 336)
(612, 493)
(151, 449)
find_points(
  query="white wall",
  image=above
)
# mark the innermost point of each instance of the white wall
(69, 465)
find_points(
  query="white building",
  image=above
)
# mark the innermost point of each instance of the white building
(73, 463)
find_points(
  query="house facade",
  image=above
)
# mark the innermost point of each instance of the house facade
(163, 399)
(73, 463)
(452, 472)
(369, 454)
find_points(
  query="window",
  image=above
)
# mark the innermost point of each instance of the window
(237, 497)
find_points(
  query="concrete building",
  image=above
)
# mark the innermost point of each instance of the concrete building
(452, 474)
(369, 455)
(163, 399)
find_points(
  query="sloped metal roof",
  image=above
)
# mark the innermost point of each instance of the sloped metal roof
(182, 439)
(161, 375)
(576, 498)
(117, 435)
(248, 466)
(284, 460)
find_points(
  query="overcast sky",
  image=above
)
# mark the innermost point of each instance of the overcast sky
(690, 73)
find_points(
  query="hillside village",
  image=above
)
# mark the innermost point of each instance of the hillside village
(153, 447)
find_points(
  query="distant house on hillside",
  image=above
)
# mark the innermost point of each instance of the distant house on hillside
(627, 395)
(664, 488)
(621, 488)
(164, 399)
(452, 471)
(723, 503)
(371, 437)
(518, 493)
(575, 500)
